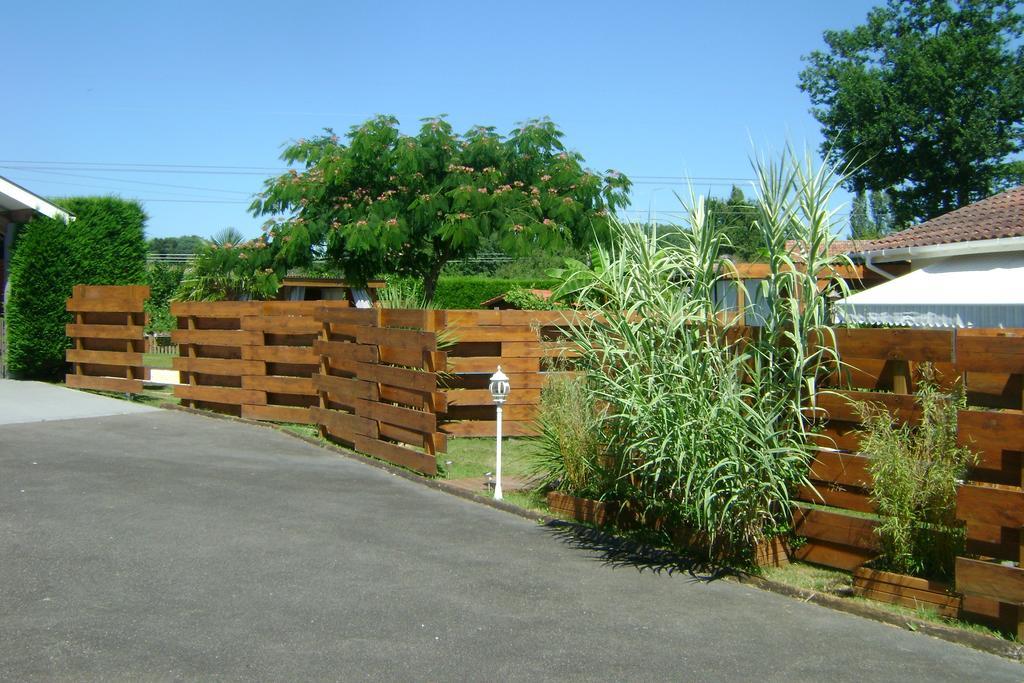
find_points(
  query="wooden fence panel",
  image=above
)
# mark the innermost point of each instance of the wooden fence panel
(377, 386)
(107, 338)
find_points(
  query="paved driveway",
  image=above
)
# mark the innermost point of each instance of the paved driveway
(170, 546)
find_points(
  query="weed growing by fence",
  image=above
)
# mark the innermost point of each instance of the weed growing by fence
(915, 469)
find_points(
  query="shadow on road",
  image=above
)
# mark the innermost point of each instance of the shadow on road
(623, 552)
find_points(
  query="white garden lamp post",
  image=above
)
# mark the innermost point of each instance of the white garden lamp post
(500, 389)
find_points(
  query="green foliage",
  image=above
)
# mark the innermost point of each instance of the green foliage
(471, 292)
(228, 268)
(402, 292)
(914, 469)
(526, 300)
(871, 215)
(163, 281)
(707, 433)
(383, 202)
(185, 244)
(103, 246)
(570, 447)
(928, 97)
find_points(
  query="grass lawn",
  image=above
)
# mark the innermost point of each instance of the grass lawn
(157, 360)
(471, 457)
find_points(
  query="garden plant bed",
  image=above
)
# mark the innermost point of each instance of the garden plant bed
(584, 510)
(909, 591)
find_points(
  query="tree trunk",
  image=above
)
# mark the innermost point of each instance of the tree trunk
(430, 280)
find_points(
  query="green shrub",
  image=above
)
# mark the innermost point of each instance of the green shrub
(163, 281)
(914, 469)
(471, 292)
(104, 245)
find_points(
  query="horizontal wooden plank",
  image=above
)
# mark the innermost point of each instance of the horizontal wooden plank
(345, 389)
(396, 338)
(117, 384)
(215, 309)
(218, 366)
(403, 378)
(947, 606)
(413, 358)
(990, 580)
(398, 455)
(411, 318)
(847, 469)
(834, 555)
(349, 350)
(893, 344)
(113, 305)
(435, 402)
(989, 433)
(840, 405)
(299, 355)
(490, 363)
(513, 413)
(401, 434)
(217, 337)
(835, 527)
(562, 318)
(105, 331)
(299, 308)
(844, 499)
(282, 324)
(836, 434)
(343, 425)
(482, 397)
(397, 415)
(498, 333)
(129, 358)
(489, 428)
(350, 316)
(995, 505)
(296, 414)
(226, 395)
(989, 353)
(276, 384)
(470, 318)
(538, 350)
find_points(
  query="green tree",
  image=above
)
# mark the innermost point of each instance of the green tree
(383, 202)
(871, 215)
(735, 218)
(927, 99)
(230, 268)
(185, 244)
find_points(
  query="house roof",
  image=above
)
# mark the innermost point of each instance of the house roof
(999, 216)
(14, 197)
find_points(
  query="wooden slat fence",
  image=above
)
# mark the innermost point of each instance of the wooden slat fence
(839, 523)
(378, 384)
(254, 359)
(107, 338)
(529, 348)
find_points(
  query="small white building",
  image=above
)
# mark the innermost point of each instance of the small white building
(19, 206)
(966, 270)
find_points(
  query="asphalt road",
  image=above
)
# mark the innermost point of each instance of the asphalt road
(166, 546)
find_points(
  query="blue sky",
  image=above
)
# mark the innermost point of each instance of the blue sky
(654, 89)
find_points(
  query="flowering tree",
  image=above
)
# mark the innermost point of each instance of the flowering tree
(386, 203)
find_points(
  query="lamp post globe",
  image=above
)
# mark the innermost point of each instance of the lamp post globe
(500, 389)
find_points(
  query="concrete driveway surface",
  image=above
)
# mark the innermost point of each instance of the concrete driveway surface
(164, 546)
(38, 402)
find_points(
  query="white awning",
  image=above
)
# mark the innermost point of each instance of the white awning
(983, 290)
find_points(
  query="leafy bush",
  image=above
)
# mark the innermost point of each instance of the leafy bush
(570, 445)
(708, 432)
(470, 292)
(163, 281)
(915, 469)
(104, 246)
(526, 300)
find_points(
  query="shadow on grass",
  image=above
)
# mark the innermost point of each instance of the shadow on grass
(615, 551)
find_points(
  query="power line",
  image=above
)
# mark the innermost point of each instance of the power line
(125, 180)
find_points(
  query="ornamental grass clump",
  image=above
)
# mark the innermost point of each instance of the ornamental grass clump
(569, 457)
(915, 469)
(703, 421)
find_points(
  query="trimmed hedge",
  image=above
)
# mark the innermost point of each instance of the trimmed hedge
(471, 292)
(105, 245)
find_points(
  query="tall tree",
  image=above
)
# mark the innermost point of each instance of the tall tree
(926, 99)
(383, 202)
(871, 215)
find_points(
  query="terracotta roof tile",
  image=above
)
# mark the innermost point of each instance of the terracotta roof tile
(1000, 215)
(838, 247)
